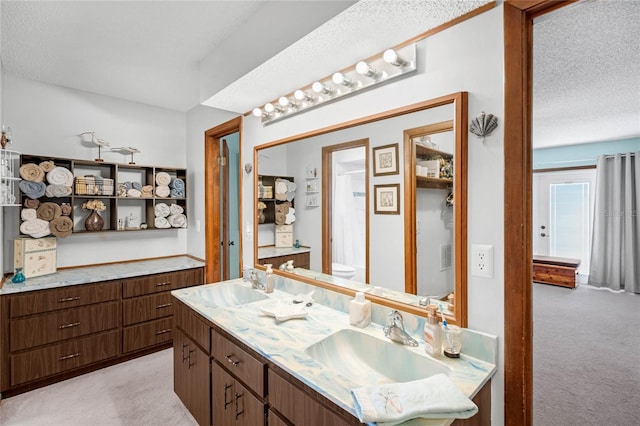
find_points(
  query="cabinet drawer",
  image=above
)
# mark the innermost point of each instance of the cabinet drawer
(300, 408)
(39, 301)
(148, 334)
(62, 325)
(239, 362)
(55, 359)
(145, 308)
(161, 282)
(194, 327)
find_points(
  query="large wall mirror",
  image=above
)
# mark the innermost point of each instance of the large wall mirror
(404, 256)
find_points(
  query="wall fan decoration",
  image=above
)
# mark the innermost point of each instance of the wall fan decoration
(483, 125)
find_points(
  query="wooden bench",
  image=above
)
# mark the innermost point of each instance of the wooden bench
(555, 270)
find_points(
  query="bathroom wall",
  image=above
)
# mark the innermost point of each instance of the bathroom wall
(583, 154)
(466, 57)
(47, 120)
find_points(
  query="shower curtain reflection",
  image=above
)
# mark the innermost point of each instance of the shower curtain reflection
(349, 210)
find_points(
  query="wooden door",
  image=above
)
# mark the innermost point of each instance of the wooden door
(224, 178)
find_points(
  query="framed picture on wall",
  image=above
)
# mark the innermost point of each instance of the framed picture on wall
(386, 198)
(385, 160)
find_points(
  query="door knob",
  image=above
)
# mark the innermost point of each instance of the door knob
(231, 243)
(544, 235)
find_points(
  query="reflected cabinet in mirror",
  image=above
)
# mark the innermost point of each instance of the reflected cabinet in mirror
(326, 213)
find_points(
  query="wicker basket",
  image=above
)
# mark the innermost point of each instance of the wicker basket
(88, 185)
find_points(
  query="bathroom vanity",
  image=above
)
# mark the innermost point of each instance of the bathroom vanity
(236, 364)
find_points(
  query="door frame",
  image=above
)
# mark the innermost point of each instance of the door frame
(327, 201)
(212, 205)
(518, 310)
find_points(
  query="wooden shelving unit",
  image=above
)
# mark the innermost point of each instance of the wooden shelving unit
(425, 153)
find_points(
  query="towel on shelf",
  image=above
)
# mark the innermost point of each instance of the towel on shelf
(36, 228)
(393, 403)
(163, 191)
(177, 193)
(49, 211)
(122, 190)
(32, 189)
(66, 209)
(176, 209)
(177, 184)
(133, 193)
(162, 210)
(127, 185)
(147, 191)
(177, 220)
(31, 204)
(28, 214)
(57, 191)
(136, 185)
(161, 223)
(163, 178)
(31, 172)
(60, 176)
(61, 226)
(47, 166)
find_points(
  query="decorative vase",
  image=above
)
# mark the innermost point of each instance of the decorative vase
(18, 277)
(94, 222)
(260, 216)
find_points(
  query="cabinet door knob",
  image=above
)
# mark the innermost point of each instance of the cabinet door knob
(166, 330)
(164, 305)
(226, 386)
(163, 284)
(68, 299)
(62, 358)
(236, 398)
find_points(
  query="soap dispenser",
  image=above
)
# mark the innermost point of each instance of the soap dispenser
(360, 311)
(269, 280)
(432, 333)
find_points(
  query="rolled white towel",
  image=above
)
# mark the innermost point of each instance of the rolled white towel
(28, 214)
(177, 221)
(133, 193)
(60, 176)
(161, 210)
(176, 209)
(161, 223)
(163, 191)
(163, 178)
(36, 228)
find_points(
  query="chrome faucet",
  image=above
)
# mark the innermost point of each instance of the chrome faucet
(394, 330)
(251, 275)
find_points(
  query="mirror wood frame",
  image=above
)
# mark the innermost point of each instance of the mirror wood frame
(459, 100)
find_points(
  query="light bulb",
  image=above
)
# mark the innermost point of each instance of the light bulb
(391, 57)
(301, 95)
(269, 107)
(320, 88)
(257, 112)
(283, 101)
(339, 78)
(365, 69)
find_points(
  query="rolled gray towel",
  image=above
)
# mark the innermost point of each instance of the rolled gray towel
(127, 185)
(177, 184)
(32, 189)
(137, 186)
(57, 191)
(177, 193)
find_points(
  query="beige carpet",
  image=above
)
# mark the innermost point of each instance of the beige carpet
(138, 392)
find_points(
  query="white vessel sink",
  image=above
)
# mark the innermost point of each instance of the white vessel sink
(225, 295)
(368, 360)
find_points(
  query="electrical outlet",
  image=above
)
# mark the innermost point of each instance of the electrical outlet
(482, 260)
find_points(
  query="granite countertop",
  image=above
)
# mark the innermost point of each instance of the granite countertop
(97, 273)
(284, 343)
(273, 251)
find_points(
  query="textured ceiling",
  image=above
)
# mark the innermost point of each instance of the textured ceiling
(587, 73)
(366, 28)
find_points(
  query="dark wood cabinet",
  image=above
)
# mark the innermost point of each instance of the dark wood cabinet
(191, 377)
(300, 260)
(233, 403)
(50, 335)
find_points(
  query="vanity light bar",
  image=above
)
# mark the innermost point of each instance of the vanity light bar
(384, 67)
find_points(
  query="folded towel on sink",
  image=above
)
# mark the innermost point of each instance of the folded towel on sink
(394, 403)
